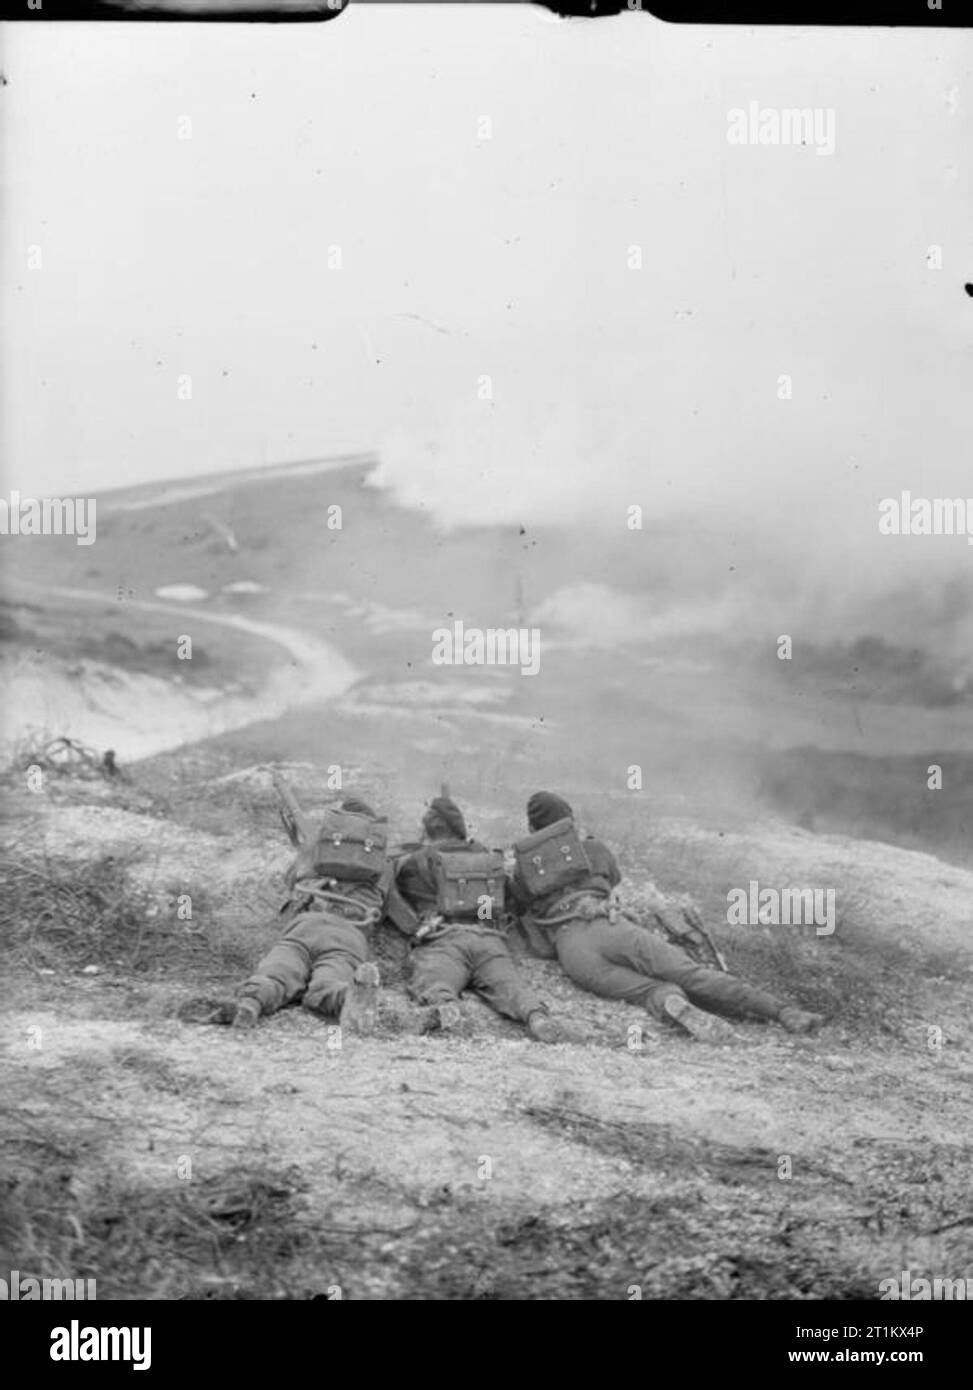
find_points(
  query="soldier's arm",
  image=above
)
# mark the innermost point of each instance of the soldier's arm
(400, 914)
(517, 896)
(603, 862)
(399, 911)
(402, 904)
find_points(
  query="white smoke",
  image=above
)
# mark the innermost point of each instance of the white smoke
(756, 519)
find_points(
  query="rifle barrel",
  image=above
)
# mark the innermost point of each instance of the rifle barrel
(291, 808)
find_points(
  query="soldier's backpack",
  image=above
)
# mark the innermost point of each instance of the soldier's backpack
(465, 880)
(551, 858)
(348, 847)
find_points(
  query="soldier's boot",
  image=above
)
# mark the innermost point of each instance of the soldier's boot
(359, 1011)
(247, 1013)
(545, 1029)
(443, 1018)
(206, 1011)
(696, 1022)
(799, 1020)
(223, 1013)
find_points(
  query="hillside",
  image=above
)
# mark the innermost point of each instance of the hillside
(170, 1159)
(309, 1167)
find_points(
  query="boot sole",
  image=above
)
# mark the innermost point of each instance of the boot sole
(359, 1013)
(443, 1018)
(702, 1026)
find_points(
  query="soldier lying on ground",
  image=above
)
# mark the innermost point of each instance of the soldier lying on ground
(338, 886)
(561, 888)
(452, 888)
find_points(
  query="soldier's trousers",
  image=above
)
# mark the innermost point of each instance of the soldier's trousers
(314, 961)
(621, 960)
(465, 958)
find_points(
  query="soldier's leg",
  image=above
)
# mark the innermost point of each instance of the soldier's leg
(280, 977)
(610, 964)
(441, 970)
(582, 956)
(337, 949)
(627, 943)
(498, 981)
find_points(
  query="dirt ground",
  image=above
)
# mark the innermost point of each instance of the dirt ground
(168, 1159)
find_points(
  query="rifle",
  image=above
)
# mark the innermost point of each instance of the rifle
(696, 921)
(299, 829)
(696, 930)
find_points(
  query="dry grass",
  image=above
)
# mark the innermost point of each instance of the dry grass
(229, 1235)
(62, 757)
(57, 914)
(723, 1227)
(73, 914)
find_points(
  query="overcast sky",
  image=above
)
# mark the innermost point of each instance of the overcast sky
(508, 257)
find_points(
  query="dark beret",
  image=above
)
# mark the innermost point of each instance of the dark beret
(444, 810)
(544, 808)
(358, 808)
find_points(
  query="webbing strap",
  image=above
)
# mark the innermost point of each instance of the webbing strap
(434, 926)
(367, 916)
(585, 905)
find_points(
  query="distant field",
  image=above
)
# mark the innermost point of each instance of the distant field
(838, 738)
(150, 644)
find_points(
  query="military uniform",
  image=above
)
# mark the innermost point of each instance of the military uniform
(459, 955)
(326, 944)
(316, 958)
(612, 955)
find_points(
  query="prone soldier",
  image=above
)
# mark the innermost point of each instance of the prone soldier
(452, 889)
(562, 887)
(338, 884)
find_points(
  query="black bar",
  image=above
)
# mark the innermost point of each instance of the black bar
(915, 14)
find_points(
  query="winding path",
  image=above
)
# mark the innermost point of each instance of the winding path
(324, 672)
